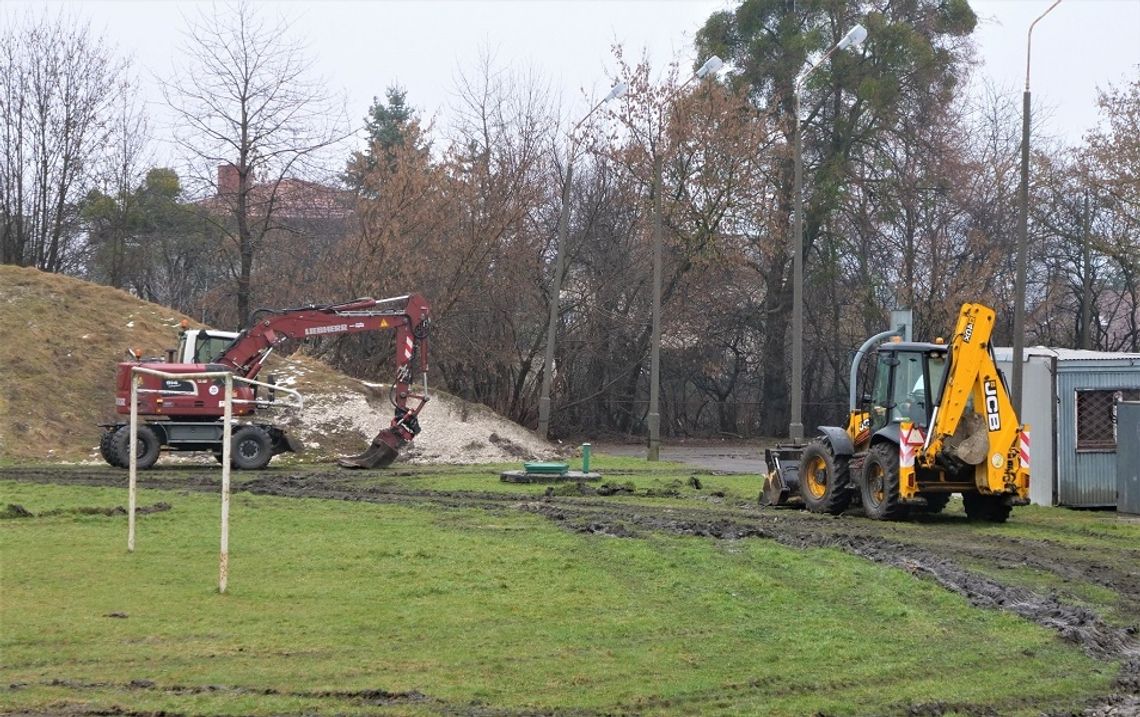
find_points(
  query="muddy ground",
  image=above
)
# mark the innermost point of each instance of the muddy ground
(930, 547)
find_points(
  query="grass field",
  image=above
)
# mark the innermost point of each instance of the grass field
(350, 608)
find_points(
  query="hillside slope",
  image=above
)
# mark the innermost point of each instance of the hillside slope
(60, 339)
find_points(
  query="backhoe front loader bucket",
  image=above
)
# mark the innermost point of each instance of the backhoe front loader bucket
(782, 484)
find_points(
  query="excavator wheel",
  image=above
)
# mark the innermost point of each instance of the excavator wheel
(251, 448)
(380, 454)
(824, 479)
(106, 448)
(146, 448)
(880, 483)
(990, 508)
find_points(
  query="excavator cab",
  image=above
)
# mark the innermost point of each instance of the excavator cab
(907, 384)
(202, 345)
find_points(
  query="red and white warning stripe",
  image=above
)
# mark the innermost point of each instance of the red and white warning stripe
(909, 438)
(1024, 449)
(408, 347)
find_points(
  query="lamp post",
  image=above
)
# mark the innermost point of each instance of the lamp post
(556, 283)
(653, 419)
(853, 38)
(1023, 227)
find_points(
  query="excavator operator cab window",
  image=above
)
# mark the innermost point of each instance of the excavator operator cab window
(205, 349)
(210, 348)
(900, 391)
(917, 381)
(909, 389)
(880, 392)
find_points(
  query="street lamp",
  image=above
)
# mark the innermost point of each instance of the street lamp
(1023, 227)
(854, 37)
(711, 65)
(556, 283)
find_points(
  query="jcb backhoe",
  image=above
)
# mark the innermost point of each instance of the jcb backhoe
(938, 420)
(187, 415)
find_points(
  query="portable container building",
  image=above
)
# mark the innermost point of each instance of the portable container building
(1070, 400)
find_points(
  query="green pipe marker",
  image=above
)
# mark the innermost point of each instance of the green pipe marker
(585, 457)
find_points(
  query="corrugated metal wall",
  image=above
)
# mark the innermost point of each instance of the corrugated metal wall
(1086, 478)
(1128, 458)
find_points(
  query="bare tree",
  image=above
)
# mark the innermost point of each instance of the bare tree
(250, 116)
(59, 87)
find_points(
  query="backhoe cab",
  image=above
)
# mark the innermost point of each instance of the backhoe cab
(937, 420)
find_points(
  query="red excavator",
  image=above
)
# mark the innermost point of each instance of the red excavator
(186, 415)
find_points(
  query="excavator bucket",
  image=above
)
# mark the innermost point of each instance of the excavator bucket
(384, 449)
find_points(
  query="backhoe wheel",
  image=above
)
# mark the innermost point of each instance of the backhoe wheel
(146, 448)
(107, 448)
(990, 508)
(880, 483)
(824, 479)
(935, 502)
(251, 448)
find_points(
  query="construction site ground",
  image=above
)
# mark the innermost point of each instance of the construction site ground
(891, 618)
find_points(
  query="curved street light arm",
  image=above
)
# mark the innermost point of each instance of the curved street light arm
(1029, 39)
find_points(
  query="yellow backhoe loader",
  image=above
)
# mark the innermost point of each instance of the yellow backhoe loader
(937, 421)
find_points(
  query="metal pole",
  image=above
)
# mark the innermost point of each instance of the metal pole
(1022, 241)
(1023, 229)
(132, 489)
(654, 417)
(796, 427)
(224, 552)
(555, 289)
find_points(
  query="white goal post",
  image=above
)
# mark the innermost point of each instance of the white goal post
(227, 401)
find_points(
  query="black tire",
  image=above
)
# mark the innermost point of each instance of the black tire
(824, 479)
(251, 448)
(989, 508)
(935, 502)
(146, 449)
(879, 484)
(107, 448)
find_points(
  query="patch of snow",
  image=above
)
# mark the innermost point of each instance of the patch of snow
(130, 324)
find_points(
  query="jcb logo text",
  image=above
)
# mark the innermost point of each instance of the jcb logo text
(989, 387)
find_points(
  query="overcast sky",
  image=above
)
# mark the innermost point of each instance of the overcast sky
(363, 47)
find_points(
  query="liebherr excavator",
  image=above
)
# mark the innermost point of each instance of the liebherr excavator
(938, 421)
(186, 415)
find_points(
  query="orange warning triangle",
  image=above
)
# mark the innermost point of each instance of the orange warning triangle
(383, 323)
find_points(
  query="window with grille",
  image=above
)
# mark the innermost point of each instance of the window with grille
(1096, 417)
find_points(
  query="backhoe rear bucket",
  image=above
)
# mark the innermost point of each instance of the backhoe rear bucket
(384, 449)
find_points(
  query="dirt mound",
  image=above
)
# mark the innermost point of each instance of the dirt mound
(61, 340)
(342, 415)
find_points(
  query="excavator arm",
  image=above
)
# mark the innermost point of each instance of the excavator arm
(993, 439)
(408, 316)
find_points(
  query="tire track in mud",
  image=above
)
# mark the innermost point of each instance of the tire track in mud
(879, 542)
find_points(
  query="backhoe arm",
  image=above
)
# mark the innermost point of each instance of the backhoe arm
(972, 382)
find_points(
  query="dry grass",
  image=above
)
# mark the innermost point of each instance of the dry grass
(61, 341)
